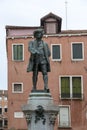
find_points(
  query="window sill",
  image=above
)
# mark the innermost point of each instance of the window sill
(56, 60)
(72, 99)
(77, 60)
(18, 60)
(62, 127)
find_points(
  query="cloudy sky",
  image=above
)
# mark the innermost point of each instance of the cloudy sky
(29, 13)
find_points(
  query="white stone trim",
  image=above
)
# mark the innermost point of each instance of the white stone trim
(17, 91)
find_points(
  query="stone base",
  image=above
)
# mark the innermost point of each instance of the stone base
(40, 91)
(40, 111)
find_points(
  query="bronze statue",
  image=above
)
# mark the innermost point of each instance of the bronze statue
(39, 59)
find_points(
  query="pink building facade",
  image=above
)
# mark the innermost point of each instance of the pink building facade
(67, 79)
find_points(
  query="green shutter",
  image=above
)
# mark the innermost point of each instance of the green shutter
(18, 52)
(65, 87)
(15, 52)
(76, 87)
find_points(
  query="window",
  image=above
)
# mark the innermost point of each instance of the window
(77, 51)
(18, 52)
(5, 122)
(17, 88)
(65, 87)
(56, 52)
(1, 123)
(0, 98)
(18, 115)
(64, 116)
(51, 28)
(5, 98)
(0, 110)
(71, 87)
(5, 109)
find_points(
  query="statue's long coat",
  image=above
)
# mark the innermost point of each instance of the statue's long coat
(32, 47)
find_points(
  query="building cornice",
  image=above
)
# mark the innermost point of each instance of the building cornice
(48, 35)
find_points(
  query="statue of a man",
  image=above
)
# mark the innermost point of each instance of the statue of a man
(39, 59)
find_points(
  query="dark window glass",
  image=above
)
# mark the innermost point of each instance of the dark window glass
(0, 110)
(5, 109)
(1, 123)
(56, 52)
(5, 123)
(17, 87)
(77, 51)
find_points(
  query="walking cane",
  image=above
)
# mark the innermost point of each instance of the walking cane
(36, 71)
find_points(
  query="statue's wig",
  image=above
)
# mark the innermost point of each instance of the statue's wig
(37, 31)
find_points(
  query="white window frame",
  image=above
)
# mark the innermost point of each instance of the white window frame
(82, 51)
(5, 98)
(64, 126)
(60, 52)
(0, 98)
(70, 76)
(13, 54)
(17, 91)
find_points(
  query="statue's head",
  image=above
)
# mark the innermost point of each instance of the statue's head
(38, 33)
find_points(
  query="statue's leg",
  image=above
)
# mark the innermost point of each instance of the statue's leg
(35, 77)
(45, 75)
(45, 78)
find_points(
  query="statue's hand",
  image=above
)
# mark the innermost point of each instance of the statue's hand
(37, 52)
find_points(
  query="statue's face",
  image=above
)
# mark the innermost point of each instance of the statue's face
(38, 35)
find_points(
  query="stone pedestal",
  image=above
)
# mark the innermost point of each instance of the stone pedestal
(40, 111)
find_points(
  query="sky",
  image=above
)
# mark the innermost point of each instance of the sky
(29, 13)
